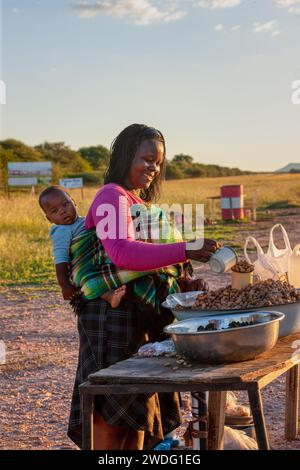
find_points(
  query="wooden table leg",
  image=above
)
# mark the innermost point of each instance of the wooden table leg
(199, 412)
(257, 411)
(216, 420)
(87, 408)
(292, 403)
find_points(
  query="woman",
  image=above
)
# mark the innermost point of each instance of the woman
(108, 335)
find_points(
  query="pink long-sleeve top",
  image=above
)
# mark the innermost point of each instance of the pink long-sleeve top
(110, 210)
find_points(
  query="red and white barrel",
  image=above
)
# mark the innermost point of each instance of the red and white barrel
(232, 202)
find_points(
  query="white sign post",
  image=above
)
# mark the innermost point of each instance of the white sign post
(72, 183)
(38, 169)
(29, 174)
(30, 181)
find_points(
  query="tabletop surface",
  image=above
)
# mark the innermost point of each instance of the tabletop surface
(284, 355)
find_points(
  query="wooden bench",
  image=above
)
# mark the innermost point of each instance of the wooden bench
(140, 375)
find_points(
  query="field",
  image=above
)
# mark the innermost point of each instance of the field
(273, 191)
(40, 331)
(25, 248)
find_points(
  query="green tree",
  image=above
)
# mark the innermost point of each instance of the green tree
(64, 160)
(196, 170)
(5, 157)
(20, 151)
(182, 159)
(97, 156)
(173, 172)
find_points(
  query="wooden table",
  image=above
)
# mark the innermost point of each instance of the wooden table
(140, 375)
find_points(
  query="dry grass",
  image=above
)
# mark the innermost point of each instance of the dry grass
(280, 190)
(25, 248)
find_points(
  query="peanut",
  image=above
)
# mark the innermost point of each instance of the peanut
(262, 294)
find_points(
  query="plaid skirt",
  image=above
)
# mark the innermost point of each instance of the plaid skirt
(108, 335)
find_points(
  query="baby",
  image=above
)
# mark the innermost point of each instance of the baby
(60, 210)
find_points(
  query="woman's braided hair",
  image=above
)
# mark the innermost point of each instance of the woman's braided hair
(122, 153)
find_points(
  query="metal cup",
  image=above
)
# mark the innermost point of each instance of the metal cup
(241, 280)
(222, 260)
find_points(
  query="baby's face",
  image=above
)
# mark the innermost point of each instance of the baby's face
(60, 209)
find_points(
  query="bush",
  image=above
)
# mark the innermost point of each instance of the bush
(96, 156)
(173, 172)
(195, 171)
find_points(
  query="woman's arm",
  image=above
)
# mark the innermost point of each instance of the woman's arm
(119, 242)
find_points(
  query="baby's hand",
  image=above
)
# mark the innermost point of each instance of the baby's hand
(68, 291)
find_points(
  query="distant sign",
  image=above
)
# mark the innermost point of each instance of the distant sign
(33, 181)
(29, 169)
(29, 173)
(71, 183)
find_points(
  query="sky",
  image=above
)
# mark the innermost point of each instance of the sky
(215, 76)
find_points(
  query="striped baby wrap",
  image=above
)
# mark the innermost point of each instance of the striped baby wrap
(94, 273)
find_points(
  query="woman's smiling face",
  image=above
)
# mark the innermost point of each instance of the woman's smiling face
(146, 164)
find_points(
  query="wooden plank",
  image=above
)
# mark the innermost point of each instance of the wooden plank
(258, 418)
(216, 420)
(266, 379)
(292, 403)
(153, 369)
(119, 389)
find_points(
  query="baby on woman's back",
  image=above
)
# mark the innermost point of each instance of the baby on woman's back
(60, 209)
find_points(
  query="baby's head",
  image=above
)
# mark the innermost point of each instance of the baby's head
(58, 206)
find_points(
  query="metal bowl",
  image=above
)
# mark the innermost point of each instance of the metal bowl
(226, 344)
(289, 326)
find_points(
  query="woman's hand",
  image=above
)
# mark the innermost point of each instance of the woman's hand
(189, 285)
(209, 247)
(196, 284)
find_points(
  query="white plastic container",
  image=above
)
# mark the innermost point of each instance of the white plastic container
(294, 267)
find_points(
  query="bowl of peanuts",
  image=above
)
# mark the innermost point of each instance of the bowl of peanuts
(221, 339)
(269, 294)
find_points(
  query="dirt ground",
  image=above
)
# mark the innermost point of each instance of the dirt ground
(39, 330)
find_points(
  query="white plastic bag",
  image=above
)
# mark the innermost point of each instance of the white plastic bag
(238, 440)
(233, 408)
(263, 266)
(279, 257)
(159, 348)
(184, 299)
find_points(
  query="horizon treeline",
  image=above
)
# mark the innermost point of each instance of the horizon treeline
(91, 162)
